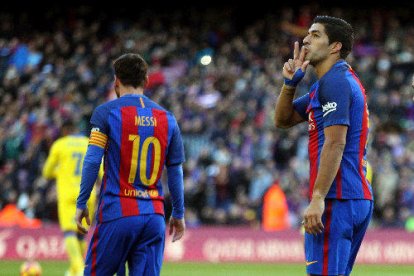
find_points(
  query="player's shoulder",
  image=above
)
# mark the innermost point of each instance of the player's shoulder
(59, 141)
(156, 106)
(59, 144)
(153, 104)
(106, 106)
(81, 138)
(73, 139)
(101, 112)
(335, 80)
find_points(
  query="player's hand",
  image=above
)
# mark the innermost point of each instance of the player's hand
(177, 226)
(80, 214)
(312, 218)
(294, 69)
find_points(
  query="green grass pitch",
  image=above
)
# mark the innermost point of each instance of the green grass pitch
(55, 268)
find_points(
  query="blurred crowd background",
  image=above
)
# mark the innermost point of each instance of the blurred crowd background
(219, 72)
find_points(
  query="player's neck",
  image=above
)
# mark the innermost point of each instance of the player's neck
(323, 67)
(128, 90)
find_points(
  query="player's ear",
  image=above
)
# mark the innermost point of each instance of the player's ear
(146, 81)
(116, 82)
(336, 47)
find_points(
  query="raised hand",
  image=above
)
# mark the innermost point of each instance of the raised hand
(294, 69)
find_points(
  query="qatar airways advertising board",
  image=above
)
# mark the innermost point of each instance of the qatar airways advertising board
(217, 245)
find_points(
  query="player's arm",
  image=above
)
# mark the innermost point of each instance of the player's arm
(175, 158)
(285, 114)
(48, 171)
(331, 156)
(335, 98)
(91, 165)
(90, 171)
(293, 71)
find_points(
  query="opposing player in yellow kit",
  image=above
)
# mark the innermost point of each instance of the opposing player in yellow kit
(64, 164)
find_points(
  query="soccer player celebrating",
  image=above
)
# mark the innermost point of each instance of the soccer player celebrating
(65, 164)
(137, 138)
(341, 199)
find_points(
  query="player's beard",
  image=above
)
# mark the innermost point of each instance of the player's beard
(314, 60)
(317, 56)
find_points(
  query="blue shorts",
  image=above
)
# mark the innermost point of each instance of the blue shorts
(333, 252)
(139, 240)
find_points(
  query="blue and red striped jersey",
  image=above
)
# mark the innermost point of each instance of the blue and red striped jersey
(338, 98)
(141, 138)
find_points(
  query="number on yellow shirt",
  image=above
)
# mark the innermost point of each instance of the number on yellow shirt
(78, 159)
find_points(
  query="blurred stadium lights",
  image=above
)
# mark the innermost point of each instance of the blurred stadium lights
(205, 60)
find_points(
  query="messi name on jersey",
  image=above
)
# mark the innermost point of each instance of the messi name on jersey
(145, 121)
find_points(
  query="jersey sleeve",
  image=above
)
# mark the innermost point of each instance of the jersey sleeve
(51, 162)
(176, 187)
(335, 99)
(91, 165)
(98, 140)
(99, 119)
(301, 104)
(175, 153)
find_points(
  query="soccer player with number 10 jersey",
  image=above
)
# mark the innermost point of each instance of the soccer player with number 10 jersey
(136, 138)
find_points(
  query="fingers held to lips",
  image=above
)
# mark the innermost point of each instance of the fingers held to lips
(291, 63)
(288, 68)
(296, 50)
(302, 53)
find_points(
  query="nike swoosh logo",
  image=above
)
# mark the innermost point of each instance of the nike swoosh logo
(309, 263)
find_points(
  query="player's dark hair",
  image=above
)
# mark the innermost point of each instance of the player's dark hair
(338, 30)
(68, 123)
(131, 70)
(68, 126)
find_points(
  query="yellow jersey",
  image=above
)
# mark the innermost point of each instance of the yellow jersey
(369, 173)
(64, 163)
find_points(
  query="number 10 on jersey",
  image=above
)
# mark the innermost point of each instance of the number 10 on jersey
(136, 151)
